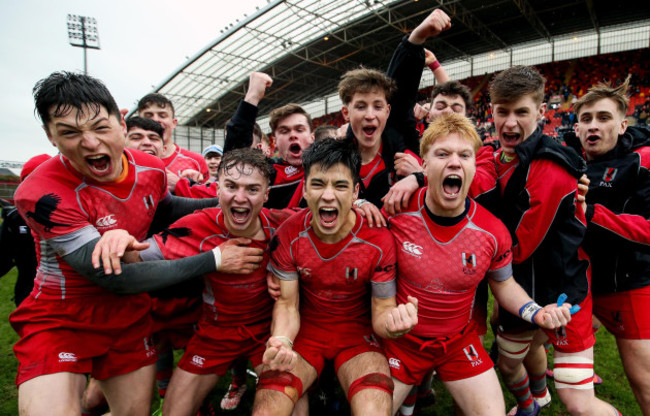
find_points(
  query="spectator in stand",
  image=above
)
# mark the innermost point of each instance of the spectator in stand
(618, 227)
(145, 135)
(212, 155)
(16, 241)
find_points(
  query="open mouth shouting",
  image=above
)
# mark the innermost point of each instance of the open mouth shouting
(510, 139)
(295, 150)
(328, 217)
(369, 131)
(592, 139)
(240, 215)
(99, 165)
(451, 186)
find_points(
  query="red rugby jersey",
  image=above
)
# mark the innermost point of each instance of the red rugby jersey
(336, 280)
(441, 265)
(229, 299)
(66, 210)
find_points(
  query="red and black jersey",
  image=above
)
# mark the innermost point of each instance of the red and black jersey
(66, 210)
(618, 230)
(547, 225)
(229, 299)
(183, 159)
(336, 280)
(442, 262)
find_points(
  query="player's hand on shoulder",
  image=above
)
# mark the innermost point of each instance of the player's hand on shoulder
(402, 318)
(238, 258)
(399, 195)
(279, 354)
(111, 247)
(370, 212)
(193, 175)
(172, 180)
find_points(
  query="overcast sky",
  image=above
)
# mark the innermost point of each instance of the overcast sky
(142, 43)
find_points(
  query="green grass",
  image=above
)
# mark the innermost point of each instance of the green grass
(615, 388)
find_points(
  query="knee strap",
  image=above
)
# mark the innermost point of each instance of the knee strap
(377, 381)
(514, 346)
(282, 381)
(573, 373)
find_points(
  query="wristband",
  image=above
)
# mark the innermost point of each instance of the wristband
(419, 176)
(434, 65)
(217, 257)
(529, 310)
(360, 202)
(285, 340)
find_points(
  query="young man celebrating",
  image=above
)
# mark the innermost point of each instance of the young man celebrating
(72, 323)
(145, 135)
(236, 316)
(537, 178)
(176, 159)
(618, 231)
(327, 260)
(442, 226)
(292, 128)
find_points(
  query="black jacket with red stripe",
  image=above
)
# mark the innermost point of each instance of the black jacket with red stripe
(539, 208)
(618, 209)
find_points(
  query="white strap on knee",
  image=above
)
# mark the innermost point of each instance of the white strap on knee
(573, 372)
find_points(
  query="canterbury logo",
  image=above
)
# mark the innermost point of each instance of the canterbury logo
(198, 361)
(67, 357)
(106, 221)
(394, 363)
(290, 170)
(412, 248)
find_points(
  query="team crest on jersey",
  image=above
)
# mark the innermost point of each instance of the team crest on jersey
(412, 249)
(351, 275)
(472, 355)
(469, 263)
(560, 336)
(106, 222)
(608, 177)
(148, 201)
(290, 170)
(371, 340)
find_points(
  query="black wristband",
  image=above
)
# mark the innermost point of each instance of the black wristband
(419, 176)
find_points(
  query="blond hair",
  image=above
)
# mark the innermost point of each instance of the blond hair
(448, 124)
(604, 90)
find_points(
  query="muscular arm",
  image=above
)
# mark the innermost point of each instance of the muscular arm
(140, 277)
(279, 354)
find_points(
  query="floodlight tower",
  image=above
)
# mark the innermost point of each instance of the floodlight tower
(82, 33)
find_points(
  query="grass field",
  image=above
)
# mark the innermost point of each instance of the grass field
(615, 388)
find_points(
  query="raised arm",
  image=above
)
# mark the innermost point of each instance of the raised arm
(239, 130)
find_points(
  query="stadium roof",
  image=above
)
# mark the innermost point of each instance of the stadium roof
(306, 45)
